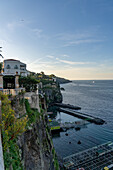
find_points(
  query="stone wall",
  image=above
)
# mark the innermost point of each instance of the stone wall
(33, 99)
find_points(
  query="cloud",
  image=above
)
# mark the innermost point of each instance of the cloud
(77, 42)
(3, 41)
(54, 57)
(73, 36)
(84, 73)
(38, 32)
(65, 55)
(13, 25)
(72, 62)
(50, 56)
(43, 65)
(26, 25)
(81, 37)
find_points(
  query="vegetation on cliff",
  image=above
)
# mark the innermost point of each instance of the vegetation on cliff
(42, 77)
(50, 87)
(52, 93)
(29, 126)
(33, 114)
(12, 127)
(29, 83)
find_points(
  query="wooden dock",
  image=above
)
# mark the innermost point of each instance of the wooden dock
(84, 116)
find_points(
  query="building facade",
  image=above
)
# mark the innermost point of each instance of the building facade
(13, 67)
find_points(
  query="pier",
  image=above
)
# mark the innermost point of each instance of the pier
(67, 106)
(95, 158)
(84, 116)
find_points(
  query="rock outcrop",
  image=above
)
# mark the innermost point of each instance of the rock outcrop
(53, 94)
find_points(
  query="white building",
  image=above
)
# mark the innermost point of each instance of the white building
(12, 67)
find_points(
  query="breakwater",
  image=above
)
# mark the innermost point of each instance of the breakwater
(84, 116)
(63, 105)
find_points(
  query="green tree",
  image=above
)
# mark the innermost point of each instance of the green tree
(29, 83)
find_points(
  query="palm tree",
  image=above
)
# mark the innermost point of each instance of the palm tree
(1, 54)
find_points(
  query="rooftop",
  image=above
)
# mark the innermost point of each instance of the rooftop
(11, 60)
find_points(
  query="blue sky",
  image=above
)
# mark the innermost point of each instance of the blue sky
(68, 38)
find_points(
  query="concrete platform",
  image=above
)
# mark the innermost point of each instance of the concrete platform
(84, 116)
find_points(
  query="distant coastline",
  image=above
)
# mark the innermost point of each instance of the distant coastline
(62, 80)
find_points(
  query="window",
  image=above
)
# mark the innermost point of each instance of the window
(15, 67)
(22, 67)
(8, 66)
(9, 85)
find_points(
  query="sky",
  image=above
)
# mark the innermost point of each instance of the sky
(69, 38)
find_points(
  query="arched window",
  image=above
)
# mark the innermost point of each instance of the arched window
(8, 66)
(15, 67)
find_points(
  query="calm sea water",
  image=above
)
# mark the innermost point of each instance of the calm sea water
(95, 98)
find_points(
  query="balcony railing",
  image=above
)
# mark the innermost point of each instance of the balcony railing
(13, 92)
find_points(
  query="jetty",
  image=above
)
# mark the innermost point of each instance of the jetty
(84, 116)
(96, 158)
(67, 106)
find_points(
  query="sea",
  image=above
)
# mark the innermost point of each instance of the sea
(95, 97)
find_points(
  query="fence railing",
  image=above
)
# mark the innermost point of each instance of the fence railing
(13, 92)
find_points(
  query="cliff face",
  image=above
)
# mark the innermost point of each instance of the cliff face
(53, 94)
(35, 143)
(36, 148)
(62, 80)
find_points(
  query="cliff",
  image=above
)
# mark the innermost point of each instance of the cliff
(62, 80)
(52, 93)
(36, 148)
(35, 143)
